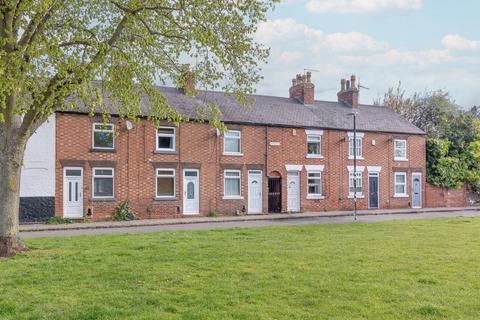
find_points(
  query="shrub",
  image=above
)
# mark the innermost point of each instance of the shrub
(213, 214)
(58, 220)
(123, 213)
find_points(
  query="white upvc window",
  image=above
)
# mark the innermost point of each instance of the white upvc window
(400, 147)
(355, 183)
(400, 185)
(103, 183)
(314, 184)
(232, 184)
(166, 139)
(165, 184)
(103, 136)
(232, 142)
(314, 143)
(358, 150)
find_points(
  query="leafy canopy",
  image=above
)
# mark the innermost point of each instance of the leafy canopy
(51, 49)
(453, 135)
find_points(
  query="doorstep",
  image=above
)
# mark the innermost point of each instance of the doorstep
(190, 220)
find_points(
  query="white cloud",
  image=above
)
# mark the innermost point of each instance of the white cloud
(456, 42)
(290, 56)
(352, 41)
(362, 6)
(396, 57)
(290, 33)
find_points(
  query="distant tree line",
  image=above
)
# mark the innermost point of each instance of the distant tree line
(453, 135)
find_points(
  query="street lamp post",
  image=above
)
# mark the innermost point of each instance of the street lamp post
(354, 114)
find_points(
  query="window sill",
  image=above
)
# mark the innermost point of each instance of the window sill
(400, 159)
(165, 198)
(233, 154)
(102, 199)
(314, 156)
(315, 197)
(165, 152)
(103, 150)
(359, 196)
(232, 198)
(358, 158)
(401, 196)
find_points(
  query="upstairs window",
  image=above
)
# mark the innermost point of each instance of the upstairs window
(400, 149)
(103, 183)
(232, 142)
(166, 139)
(103, 136)
(357, 149)
(165, 183)
(314, 143)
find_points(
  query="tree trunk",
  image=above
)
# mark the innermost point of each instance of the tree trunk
(11, 156)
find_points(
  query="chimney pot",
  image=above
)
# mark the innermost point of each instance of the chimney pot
(294, 82)
(353, 79)
(309, 77)
(348, 84)
(342, 84)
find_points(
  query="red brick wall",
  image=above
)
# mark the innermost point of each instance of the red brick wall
(198, 146)
(441, 197)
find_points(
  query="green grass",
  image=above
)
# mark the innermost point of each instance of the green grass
(424, 269)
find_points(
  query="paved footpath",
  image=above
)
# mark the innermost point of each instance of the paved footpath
(142, 226)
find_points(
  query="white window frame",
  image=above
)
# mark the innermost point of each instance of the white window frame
(405, 158)
(170, 135)
(172, 175)
(103, 176)
(112, 130)
(239, 138)
(225, 185)
(315, 195)
(359, 136)
(315, 136)
(359, 195)
(395, 183)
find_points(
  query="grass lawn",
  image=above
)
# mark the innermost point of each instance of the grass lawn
(423, 269)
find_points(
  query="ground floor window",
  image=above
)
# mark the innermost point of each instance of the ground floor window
(314, 184)
(232, 184)
(355, 183)
(400, 184)
(165, 183)
(103, 183)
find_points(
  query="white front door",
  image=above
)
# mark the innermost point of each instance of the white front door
(191, 199)
(73, 192)
(293, 191)
(416, 190)
(255, 204)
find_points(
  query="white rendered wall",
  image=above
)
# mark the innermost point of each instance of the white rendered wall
(38, 171)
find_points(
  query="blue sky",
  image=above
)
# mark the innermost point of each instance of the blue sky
(425, 44)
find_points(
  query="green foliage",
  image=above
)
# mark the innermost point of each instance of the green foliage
(122, 212)
(58, 220)
(213, 214)
(51, 50)
(453, 135)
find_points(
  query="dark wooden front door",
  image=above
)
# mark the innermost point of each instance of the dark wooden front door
(274, 195)
(373, 192)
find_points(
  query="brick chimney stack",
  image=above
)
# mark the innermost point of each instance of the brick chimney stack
(303, 89)
(349, 92)
(187, 81)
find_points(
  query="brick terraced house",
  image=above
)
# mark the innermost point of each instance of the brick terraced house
(283, 155)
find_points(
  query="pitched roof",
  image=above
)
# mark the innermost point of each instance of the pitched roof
(280, 111)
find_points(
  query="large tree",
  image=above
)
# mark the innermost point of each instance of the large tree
(51, 50)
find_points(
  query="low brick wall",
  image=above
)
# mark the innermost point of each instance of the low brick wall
(440, 197)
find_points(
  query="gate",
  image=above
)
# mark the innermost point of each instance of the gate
(274, 195)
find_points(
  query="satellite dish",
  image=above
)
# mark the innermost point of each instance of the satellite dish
(129, 125)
